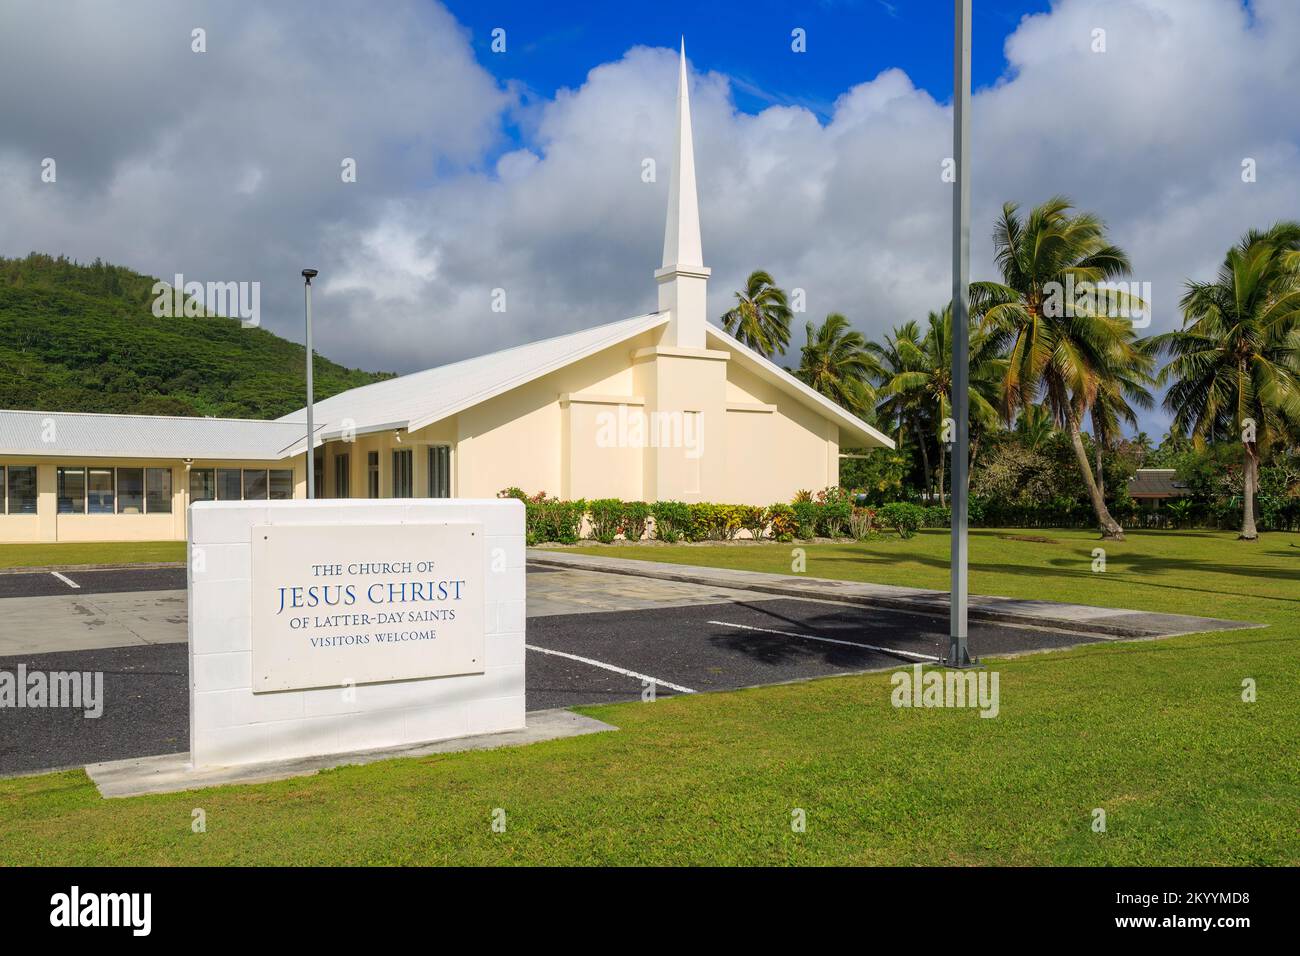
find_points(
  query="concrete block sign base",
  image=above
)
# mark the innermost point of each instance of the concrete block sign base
(333, 626)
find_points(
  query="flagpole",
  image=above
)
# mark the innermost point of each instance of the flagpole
(958, 652)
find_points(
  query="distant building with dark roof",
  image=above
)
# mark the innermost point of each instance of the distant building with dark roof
(1155, 485)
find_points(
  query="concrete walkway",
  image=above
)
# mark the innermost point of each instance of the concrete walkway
(1081, 618)
(170, 773)
(35, 625)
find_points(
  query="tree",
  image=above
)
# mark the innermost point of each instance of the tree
(924, 379)
(1235, 364)
(835, 362)
(1063, 355)
(899, 409)
(1117, 393)
(761, 316)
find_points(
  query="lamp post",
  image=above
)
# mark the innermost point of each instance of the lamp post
(958, 653)
(307, 276)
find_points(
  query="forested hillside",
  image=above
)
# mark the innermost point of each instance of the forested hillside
(84, 338)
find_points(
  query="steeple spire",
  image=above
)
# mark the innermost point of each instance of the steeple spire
(683, 278)
(682, 232)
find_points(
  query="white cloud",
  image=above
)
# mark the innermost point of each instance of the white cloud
(228, 162)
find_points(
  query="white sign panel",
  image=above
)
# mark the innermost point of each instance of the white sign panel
(338, 605)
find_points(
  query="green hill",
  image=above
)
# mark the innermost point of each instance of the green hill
(84, 338)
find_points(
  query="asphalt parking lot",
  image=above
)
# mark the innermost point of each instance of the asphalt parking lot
(573, 659)
(106, 581)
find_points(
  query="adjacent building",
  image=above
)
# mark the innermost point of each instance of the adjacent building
(663, 406)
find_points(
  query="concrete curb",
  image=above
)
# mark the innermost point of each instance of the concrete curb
(141, 566)
(1077, 618)
(172, 773)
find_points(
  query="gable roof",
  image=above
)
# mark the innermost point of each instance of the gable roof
(1156, 483)
(857, 430)
(92, 435)
(422, 398)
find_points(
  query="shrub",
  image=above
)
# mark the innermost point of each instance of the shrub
(714, 522)
(806, 516)
(635, 514)
(672, 520)
(938, 516)
(606, 516)
(513, 492)
(783, 522)
(802, 495)
(862, 523)
(753, 519)
(904, 517)
(550, 519)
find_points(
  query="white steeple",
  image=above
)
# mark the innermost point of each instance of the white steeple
(683, 277)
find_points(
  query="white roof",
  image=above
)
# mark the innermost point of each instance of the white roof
(410, 402)
(89, 435)
(422, 398)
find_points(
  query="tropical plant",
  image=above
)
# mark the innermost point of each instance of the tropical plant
(835, 362)
(925, 380)
(1117, 393)
(1235, 364)
(1063, 356)
(761, 315)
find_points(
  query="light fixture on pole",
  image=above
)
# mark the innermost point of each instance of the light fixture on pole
(958, 653)
(308, 275)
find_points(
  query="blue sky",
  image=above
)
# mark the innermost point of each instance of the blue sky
(848, 42)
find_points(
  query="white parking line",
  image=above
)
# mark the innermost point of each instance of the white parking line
(610, 667)
(68, 581)
(830, 640)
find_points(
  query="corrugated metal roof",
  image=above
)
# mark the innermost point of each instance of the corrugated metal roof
(1156, 483)
(422, 398)
(89, 435)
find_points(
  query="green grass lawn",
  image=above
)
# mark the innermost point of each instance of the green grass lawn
(1154, 732)
(72, 554)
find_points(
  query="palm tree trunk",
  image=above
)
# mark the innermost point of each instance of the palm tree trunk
(925, 453)
(941, 474)
(1101, 474)
(1248, 530)
(1110, 528)
(974, 451)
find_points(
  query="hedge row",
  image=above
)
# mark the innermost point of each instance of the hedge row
(605, 519)
(833, 514)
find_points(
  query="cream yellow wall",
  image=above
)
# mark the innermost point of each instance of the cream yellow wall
(522, 438)
(775, 445)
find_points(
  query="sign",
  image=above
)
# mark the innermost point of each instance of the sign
(340, 605)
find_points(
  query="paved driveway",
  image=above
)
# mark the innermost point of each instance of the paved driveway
(682, 639)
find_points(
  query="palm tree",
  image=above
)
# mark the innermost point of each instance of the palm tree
(761, 317)
(895, 356)
(1034, 425)
(1066, 356)
(836, 363)
(925, 379)
(1235, 364)
(1117, 393)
